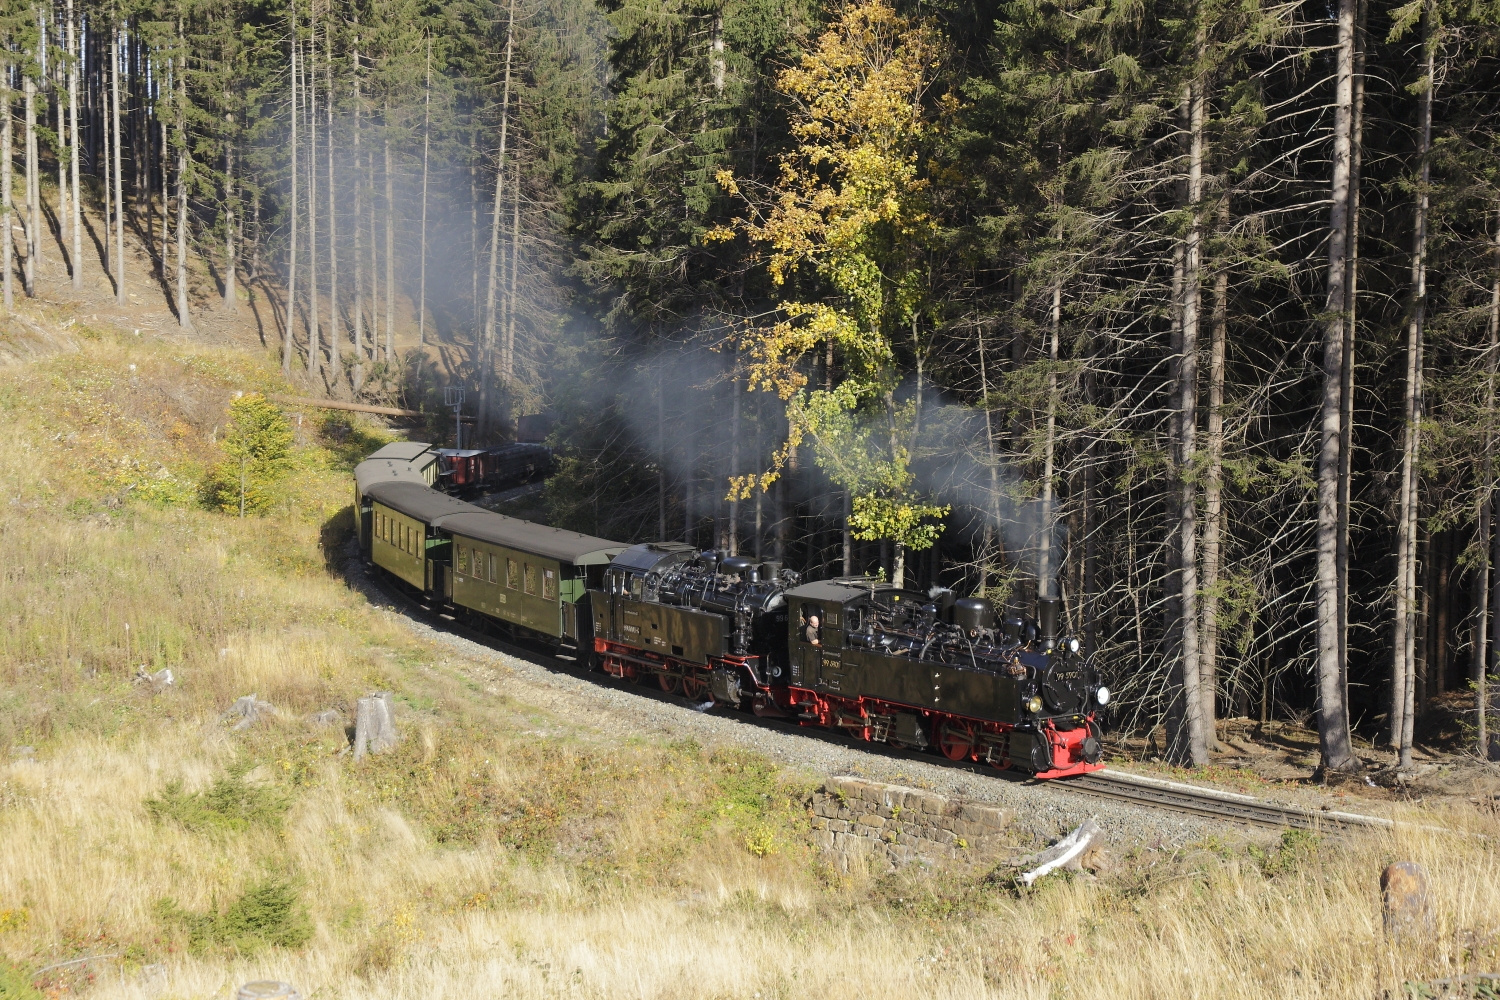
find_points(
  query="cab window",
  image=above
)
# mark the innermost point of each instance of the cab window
(530, 579)
(549, 584)
(635, 587)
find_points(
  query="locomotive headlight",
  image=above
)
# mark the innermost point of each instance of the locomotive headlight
(1102, 695)
(1074, 645)
(1034, 704)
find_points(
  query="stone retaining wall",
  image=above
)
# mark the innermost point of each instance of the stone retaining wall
(870, 822)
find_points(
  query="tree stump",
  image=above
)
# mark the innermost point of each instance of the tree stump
(249, 709)
(267, 989)
(375, 725)
(1403, 891)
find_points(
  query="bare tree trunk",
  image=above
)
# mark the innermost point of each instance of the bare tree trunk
(231, 294)
(1187, 425)
(61, 132)
(426, 144)
(33, 243)
(1403, 677)
(314, 327)
(375, 341)
(1213, 495)
(515, 265)
(7, 185)
(486, 352)
(184, 162)
(734, 458)
(1333, 708)
(110, 194)
(359, 264)
(390, 246)
(166, 181)
(474, 253)
(291, 295)
(119, 255)
(76, 217)
(1046, 577)
(661, 449)
(1483, 601)
(335, 327)
(993, 536)
(1346, 390)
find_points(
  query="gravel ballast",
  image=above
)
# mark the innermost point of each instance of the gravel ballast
(600, 707)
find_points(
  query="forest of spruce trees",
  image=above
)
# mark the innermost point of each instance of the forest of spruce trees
(1185, 312)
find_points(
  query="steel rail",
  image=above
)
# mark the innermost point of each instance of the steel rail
(1197, 801)
(1135, 789)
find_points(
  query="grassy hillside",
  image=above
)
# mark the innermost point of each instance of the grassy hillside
(500, 851)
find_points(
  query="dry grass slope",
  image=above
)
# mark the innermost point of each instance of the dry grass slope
(500, 851)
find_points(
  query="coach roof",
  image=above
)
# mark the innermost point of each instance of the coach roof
(415, 499)
(536, 539)
(402, 451)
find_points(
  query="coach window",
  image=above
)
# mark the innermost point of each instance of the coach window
(530, 579)
(463, 560)
(491, 575)
(549, 584)
(512, 574)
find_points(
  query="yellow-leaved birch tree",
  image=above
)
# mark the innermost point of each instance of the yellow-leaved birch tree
(847, 231)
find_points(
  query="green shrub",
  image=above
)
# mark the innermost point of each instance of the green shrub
(270, 914)
(231, 805)
(15, 983)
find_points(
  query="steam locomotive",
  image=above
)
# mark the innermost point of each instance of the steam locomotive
(885, 664)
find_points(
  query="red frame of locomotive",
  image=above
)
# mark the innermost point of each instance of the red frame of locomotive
(958, 737)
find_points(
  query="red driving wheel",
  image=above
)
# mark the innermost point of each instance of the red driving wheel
(694, 687)
(956, 741)
(670, 683)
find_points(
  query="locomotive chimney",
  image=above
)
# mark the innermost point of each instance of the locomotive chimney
(1048, 611)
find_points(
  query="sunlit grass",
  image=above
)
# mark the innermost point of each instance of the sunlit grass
(501, 851)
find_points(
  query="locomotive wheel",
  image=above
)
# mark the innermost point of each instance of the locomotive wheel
(670, 683)
(695, 688)
(956, 742)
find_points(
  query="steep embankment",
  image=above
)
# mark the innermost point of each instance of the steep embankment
(532, 835)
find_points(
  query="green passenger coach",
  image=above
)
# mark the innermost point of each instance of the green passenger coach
(526, 574)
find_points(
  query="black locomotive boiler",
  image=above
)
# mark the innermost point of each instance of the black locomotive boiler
(855, 654)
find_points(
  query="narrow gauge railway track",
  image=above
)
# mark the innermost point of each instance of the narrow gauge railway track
(1133, 789)
(1195, 801)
